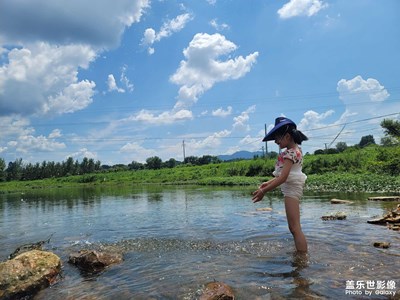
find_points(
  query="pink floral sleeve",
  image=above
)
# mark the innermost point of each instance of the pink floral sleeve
(294, 155)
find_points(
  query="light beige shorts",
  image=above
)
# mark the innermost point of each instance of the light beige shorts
(292, 190)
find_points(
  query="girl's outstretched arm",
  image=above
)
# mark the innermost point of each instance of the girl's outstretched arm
(265, 184)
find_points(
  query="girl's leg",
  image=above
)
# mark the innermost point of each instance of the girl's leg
(292, 206)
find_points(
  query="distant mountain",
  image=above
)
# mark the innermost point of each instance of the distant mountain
(240, 155)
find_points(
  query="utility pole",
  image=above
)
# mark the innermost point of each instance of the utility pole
(266, 145)
(183, 147)
(336, 136)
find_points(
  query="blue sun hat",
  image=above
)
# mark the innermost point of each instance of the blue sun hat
(279, 122)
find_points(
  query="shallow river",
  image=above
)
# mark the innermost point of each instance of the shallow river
(177, 239)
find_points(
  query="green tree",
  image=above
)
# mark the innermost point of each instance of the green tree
(85, 165)
(192, 160)
(367, 140)
(208, 159)
(2, 170)
(392, 131)
(331, 151)
(14, 170)
(45, 170)
(58, 170)
(69, 167)
(77, 168)
(91, 165)
(272, 155)
(97, 165)
(388, 141)
(134, 165)
(36, 171)
(29, 172)
(154, 163)
(171, 163)
(341, 146)
(119, 167)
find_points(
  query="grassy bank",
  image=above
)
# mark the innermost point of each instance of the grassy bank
(372, 169)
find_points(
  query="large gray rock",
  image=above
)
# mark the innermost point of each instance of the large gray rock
(28, 273)
(94, 261)
(217, 291)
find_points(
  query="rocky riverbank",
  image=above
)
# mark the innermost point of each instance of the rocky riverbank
(26, 274)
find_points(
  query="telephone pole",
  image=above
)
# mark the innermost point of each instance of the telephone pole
(266, 145)
(183, 147)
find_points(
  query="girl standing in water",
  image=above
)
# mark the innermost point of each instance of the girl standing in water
(288, 175)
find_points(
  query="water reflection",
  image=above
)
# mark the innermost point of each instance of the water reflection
(155, 197)
(302, 285)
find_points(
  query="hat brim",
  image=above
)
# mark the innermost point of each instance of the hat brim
(271, 135)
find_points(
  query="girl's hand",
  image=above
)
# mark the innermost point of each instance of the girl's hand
(265, 184)
(258, 195)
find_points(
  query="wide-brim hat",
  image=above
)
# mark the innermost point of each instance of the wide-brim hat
(279, 122)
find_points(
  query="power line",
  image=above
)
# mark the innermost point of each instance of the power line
(257, 139)
(352, 122)
(336, 136)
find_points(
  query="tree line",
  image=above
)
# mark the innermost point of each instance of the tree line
(18, 170)
(155, 163)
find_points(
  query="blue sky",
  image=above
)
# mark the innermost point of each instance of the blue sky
(121, 81)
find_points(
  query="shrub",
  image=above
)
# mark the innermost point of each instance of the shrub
(87, 179)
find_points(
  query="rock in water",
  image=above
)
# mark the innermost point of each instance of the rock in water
(385, 198)
(94, 261)
(28, 273)
(383, 245)
(392, 218)
(217, 291)
(339, 201)
(264, 209)
(337, 216)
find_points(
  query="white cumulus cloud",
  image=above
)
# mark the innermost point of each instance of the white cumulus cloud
(76, 96)
(55, 134)
(42, 143)
(296, 8)
(138, 151)
(167, 117)
(123, 80)
(39, 72)
(112, 85)
(241, 121)
(57, 21)
(358, 88)
(82, 153)
(209, 143)
(167, 29)
(43, 79)
(219, 26)
(204, 66)
(220, 112)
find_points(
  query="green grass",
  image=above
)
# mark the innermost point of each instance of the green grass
(370, 169)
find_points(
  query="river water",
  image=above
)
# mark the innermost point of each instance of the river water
(177, 239)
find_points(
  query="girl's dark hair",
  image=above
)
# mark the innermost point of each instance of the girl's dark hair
(297, 135)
